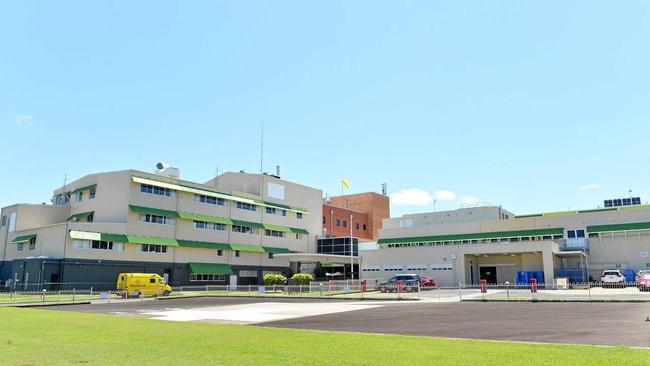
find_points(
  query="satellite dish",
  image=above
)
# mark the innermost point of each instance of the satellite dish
(162, 166)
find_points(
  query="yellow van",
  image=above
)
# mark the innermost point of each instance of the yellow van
(142, 284)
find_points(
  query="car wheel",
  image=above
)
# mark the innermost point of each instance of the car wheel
(383, 289)
(166, 293)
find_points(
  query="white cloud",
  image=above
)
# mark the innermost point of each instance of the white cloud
(23, 119)
(589, 187)
(445, 195)
(412, 197)
(468, 200)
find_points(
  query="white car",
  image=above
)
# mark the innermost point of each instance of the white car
(611, 278)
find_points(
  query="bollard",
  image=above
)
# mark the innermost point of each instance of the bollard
(460, 292)
(73, 293)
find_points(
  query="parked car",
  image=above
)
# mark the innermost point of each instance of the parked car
(643, 280)
(427, 282)
(612, 278)
(409, 281)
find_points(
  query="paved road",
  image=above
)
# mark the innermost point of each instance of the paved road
(590, 323)
(580, 323)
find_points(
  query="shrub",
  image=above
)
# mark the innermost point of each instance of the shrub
(273, 279)
(302, 278)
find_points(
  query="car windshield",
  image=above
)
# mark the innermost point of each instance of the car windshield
(611, 273)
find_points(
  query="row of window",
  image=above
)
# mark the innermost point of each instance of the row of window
(409, 267)
(109, 245)
(147, 188)
(344, 223)
(157, 219)
(91, 195)
(164, 220)
(97, 244)
(476, 241)
(197, 277)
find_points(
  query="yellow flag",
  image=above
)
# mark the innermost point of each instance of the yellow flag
(345, 183)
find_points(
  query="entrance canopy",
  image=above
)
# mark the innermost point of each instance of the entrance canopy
(571, 253)
(322, 258)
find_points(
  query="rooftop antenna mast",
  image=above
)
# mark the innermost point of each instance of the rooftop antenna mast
(262, 148)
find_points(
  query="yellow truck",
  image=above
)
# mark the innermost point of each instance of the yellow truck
(142, 284)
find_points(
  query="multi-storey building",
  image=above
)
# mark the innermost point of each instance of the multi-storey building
(359, 215)
(493, 244)
(225, 231)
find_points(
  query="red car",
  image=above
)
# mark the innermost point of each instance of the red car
(643, 280)
(427, 282)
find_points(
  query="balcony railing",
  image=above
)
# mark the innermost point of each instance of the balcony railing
(576, 244)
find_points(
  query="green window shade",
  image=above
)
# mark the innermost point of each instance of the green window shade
(87, 235)
(153, 211)
(206, 218)
(86, 188)
(211, 268)
(619, 227)
(203, 244)
(80, 216)
(248, 223)
(276, 250)
(298, 230)
(247, 248)
(135, 239)
(474, 236)
(277, 228)
(23, 238)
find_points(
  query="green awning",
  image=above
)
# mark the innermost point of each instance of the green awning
(80, 216)
(203, 244)
(153, 211)
(206, 218)
(211, 268)
(474, 236)
(88, 235)
(206, 192)
(276, 250)
(135, 239)
(298, 230)
(23, 238)
(247, 248)
(85, 188)
(277, 228)
(619, 227)
(248, 223)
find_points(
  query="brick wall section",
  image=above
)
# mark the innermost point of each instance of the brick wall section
(374, 205)
(332, 213)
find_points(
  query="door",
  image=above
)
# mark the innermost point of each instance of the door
(233, 282)
(489, 274)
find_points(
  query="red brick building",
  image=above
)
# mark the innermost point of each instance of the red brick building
(363, 213)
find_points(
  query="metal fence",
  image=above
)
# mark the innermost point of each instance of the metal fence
(588, 291)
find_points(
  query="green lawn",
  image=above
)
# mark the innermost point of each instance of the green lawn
(45, 337)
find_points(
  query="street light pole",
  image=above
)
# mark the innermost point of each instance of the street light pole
(351, 251)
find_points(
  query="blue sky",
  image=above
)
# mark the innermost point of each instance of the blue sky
(536, 106)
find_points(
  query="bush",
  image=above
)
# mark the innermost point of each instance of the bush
(302, 279)
(273, 279)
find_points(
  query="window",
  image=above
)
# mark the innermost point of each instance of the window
(246, 206)
(299, 216)
(66, 199)
(32, 244)
(90, 217)
(195, 277)
(248, 273)
(236, 253)
(572, 234)
(210, 200)
(276, 211)
(298, 236)
(80, 196)
(356, 226)
(220, 252)
(345, 223)
(270, 255)
(159, 191)
(152, 248)
(338, 222)
(324, 221)
(364, 227)
(157, 219)
(91, 193)
(209, 225)
(4, 220)
(12, 222)
(245, 230)
(98, 245)
(274, 233)
(19, 247)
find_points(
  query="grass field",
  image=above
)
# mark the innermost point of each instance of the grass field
(45, 337)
